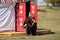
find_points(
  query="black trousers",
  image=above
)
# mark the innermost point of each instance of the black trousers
(31, 29)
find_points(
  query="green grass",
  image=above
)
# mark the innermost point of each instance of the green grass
(49, 19)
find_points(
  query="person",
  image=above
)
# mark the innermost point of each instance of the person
(30, 25)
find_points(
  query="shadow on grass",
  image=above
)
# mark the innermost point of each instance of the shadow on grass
(41, 32)
(44, 31)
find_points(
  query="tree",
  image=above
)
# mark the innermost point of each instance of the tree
(54, 2)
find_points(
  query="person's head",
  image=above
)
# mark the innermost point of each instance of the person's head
(30, 15)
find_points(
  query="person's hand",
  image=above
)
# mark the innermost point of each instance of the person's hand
(33, 20)
(25, 25)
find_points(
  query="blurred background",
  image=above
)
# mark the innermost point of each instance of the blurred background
(48, 17)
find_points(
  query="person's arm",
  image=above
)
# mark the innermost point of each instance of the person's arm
(33, 20)
(25, 25)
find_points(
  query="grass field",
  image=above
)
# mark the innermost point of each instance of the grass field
(48, 18)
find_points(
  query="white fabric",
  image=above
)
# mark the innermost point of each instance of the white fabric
(43, 3)
(7, 17)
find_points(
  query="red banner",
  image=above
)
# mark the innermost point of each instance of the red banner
(21, 15)
(20, 22)
(33, 10)
(22, 9)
